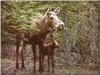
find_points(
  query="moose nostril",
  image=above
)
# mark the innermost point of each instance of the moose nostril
(51, 17)
(61, 24)
(61, 27)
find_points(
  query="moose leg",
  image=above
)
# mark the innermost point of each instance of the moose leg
(34, 54)
(17, 49)
(40, 61)
(48, 63)
(52, 61)
(22, 56)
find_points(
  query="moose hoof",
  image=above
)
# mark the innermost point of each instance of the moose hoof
(34, 71)
(41, 70)
(17, 66)
(52, 71)
(15, 69)
(48, 71)
(23, 68)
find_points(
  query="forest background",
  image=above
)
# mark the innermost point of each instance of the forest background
(78, 50)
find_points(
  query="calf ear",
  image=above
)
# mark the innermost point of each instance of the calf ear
(57, 10)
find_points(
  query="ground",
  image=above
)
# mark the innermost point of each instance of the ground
(8, 68)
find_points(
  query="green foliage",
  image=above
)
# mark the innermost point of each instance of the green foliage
(80, 19)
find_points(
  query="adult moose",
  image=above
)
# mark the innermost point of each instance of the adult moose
(46, 24)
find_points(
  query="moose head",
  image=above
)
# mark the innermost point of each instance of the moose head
(52, 19)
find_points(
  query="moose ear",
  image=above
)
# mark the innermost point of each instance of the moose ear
(57, 10)
(48, 10)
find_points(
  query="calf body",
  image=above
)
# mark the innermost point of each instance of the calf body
(48, 49)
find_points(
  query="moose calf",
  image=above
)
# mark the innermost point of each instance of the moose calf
(48, 49)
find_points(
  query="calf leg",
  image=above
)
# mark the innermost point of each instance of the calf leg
(52, 61)
(40, 65)
(42, 61)
(34, 54)
(48, 63)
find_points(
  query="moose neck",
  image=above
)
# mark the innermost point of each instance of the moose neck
(46, 28)
(44, 31)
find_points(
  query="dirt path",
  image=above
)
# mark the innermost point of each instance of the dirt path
(8, 68)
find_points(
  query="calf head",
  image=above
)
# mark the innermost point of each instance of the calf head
(55, 44)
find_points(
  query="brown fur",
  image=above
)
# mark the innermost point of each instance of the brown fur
(45, 26)
(34, 40)
(48, 49)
